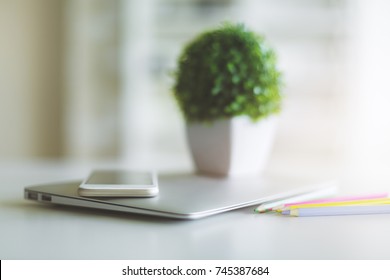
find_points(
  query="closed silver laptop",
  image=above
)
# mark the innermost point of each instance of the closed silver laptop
(187, 196)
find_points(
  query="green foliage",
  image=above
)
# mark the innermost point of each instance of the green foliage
(227, 72)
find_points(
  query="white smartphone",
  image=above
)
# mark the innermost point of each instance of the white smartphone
(119, 183)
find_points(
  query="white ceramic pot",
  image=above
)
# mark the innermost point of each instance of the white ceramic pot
(231, 147)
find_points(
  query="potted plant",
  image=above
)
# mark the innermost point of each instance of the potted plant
(228, 88)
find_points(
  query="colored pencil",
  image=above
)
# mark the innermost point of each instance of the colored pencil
(320, 193)
(336, 199)
(338, 203)
(342, 198)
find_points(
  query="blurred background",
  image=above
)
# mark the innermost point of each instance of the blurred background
(89, 80)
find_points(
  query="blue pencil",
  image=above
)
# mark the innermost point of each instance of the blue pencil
(338, 211)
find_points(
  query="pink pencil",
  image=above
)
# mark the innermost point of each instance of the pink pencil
(337, 199)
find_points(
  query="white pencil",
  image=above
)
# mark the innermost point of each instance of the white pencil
(326, 190)
(338, 211)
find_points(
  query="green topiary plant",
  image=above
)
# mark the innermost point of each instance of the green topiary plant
(227, 72)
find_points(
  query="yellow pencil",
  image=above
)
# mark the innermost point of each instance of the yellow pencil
(340, 203)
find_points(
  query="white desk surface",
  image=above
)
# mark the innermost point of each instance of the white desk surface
(34, 231)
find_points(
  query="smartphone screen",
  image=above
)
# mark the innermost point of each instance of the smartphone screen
(110, 177)
(123, 183)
